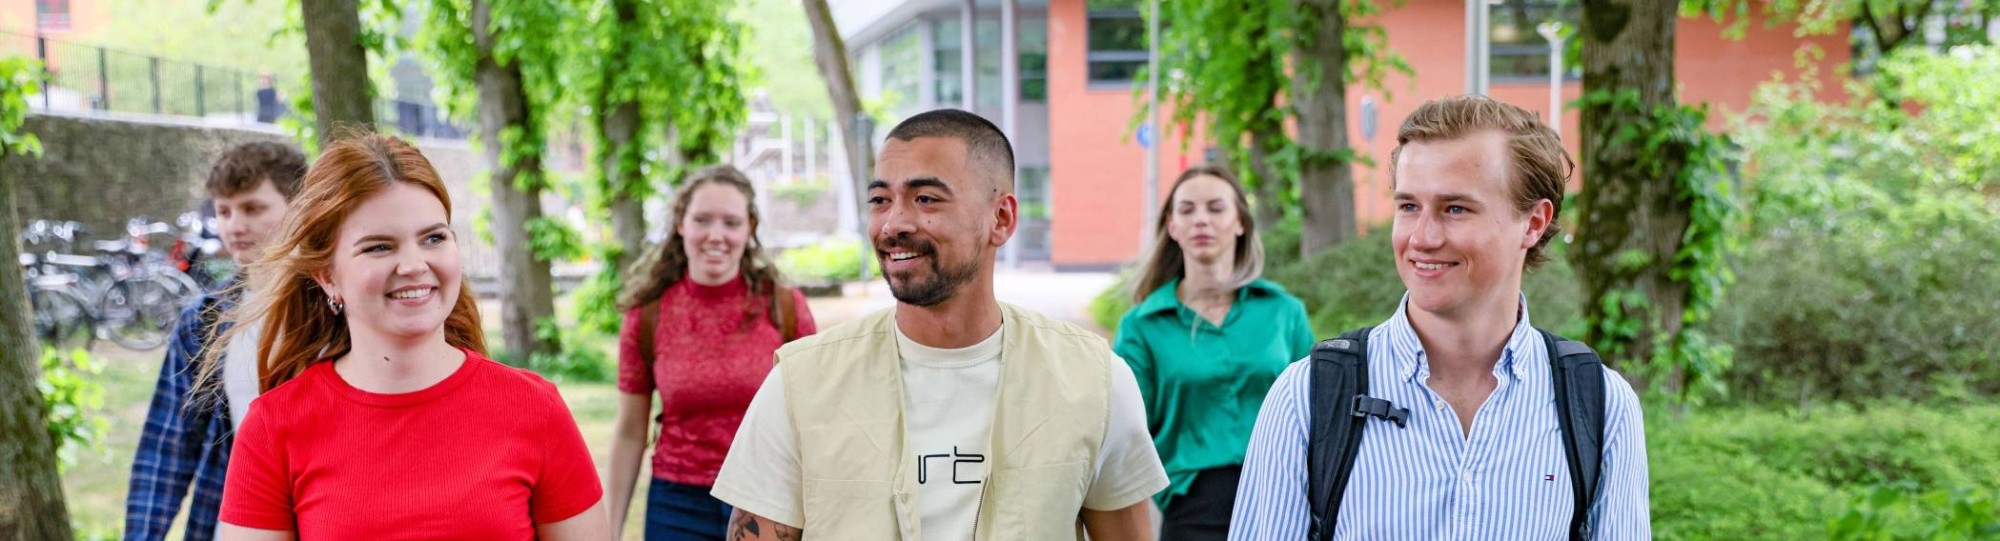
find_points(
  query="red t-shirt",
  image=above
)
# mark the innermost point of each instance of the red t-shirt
(707, 363)
(487, 453)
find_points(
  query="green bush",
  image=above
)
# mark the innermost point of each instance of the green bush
(1747, 473)
(581, 359)
(72, 403)
(1907, 512)
(1869, 264)
(1108, 308)
(828, 261)
(597, 297)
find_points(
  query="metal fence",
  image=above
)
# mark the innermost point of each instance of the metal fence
(86, 79)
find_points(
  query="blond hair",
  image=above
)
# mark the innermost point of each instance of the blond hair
(1541, 168)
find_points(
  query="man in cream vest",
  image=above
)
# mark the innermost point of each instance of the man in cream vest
(951, 416)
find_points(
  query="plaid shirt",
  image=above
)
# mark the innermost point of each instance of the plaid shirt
(185, 442)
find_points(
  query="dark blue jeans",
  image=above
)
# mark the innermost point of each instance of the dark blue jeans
(677, 512)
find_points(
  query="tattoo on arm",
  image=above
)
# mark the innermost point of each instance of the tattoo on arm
(749, 527)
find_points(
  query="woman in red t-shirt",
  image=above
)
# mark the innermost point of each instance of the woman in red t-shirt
(381, 416)
(704, 314)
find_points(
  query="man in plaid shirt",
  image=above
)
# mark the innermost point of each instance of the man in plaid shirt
(187, 437)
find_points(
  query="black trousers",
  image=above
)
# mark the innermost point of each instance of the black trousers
(1203, 513)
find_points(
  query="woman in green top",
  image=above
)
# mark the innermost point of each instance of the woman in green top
(1206, 338)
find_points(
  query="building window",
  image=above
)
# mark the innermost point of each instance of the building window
(1117, 40)
(948, 82)
(52, 14)
(902, 58)
(1032, 186)
(1034, 61)
(1518, 50)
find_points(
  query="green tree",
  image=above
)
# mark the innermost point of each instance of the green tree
(1234, 61)
(337, 47)
(661, 81)
(35, 509)
(784, 44)
(1886, 25)
(498, 59)
(1653, 214)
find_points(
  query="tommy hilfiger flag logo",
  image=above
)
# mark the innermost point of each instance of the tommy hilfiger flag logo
(1549, 477)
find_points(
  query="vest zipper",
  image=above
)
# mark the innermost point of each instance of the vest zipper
(979, 507)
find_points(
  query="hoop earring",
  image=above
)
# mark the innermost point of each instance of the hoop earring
(337, 306)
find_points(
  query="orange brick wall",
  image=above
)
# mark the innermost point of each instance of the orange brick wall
(1095, 169)
(18, 16)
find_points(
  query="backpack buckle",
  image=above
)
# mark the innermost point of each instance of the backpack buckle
(1366, 406)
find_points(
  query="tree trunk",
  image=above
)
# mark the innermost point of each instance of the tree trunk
(1265, 185)
(31, 495)
(1267, 135)
(1319, 94)
(343, 99)
(628, 217)
(525, 292)
(619, 133)
(830, 55)
(1629, 45)
(628, 227)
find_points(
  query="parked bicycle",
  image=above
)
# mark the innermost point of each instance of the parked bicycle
(130, 294)
(62, 318)
(197, 252)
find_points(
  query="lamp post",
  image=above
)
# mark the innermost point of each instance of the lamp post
(1552, 31)
(861, 142)
(1149, 135)
(1478, 45)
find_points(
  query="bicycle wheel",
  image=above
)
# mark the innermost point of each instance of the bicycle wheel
(184, 288)
(138, 312)
(62, 319)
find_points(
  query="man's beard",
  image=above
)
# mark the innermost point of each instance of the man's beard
(940, 285)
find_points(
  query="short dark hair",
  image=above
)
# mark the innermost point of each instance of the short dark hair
(243, 166)
(985, 144)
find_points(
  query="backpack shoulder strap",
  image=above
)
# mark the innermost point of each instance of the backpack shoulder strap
(1578, 381)
(649, 325)
(788, 320)
(1339, 374)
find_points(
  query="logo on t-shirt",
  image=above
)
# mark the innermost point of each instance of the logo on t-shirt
(966, 476)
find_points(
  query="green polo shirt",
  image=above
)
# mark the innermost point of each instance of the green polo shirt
(1204, 384)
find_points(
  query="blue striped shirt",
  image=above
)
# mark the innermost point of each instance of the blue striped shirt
(1508, 481)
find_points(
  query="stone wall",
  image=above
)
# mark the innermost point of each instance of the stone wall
(102, 171)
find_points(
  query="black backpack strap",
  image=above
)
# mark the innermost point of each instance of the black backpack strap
(1339, 376)
(1578, 381)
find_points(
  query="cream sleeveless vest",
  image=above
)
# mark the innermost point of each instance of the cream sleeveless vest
(844, 391)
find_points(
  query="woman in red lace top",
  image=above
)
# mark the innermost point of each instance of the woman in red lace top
(704, 313)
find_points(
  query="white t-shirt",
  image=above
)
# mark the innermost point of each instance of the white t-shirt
(948, 400)
(239, 373)
(239, 377)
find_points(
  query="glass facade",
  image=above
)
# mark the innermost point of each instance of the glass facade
(1518, 50)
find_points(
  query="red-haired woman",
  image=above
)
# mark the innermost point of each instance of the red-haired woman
(382, 417)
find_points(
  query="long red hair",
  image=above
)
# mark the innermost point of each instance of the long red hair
(299, 328)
